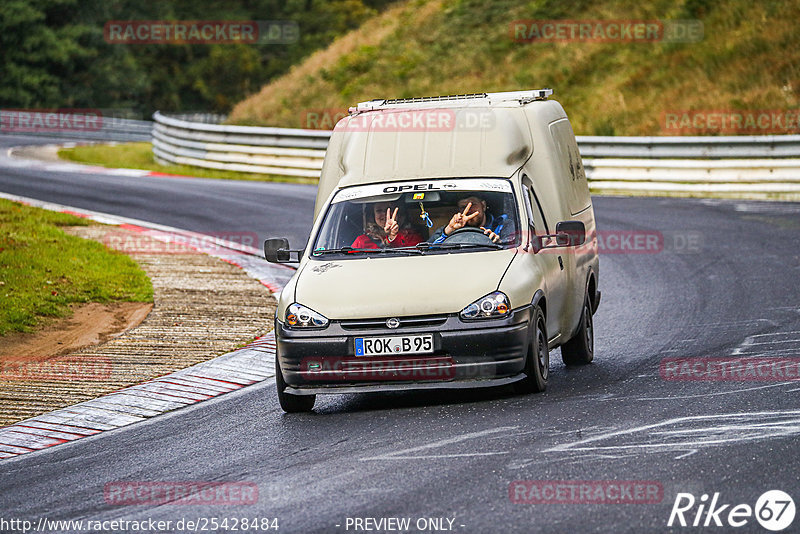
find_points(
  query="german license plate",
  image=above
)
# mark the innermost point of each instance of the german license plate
(384, 346)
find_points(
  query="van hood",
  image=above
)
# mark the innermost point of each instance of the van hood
(376, 287)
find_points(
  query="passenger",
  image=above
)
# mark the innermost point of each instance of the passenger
(473, 212)
(389, 229)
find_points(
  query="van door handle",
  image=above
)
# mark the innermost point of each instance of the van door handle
(561, 263)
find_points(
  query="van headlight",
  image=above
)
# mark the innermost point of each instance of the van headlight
(492, 306)
(298, 316)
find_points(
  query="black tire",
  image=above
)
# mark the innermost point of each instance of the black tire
(580, 349)
(291, 403)
(537, 362)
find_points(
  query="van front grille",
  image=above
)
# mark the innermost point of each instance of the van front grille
(378, 324)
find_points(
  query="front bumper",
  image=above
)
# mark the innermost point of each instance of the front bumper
(466, 354)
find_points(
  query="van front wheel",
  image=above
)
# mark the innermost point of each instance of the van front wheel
(537, 362)
(291, 403)
(580, 349)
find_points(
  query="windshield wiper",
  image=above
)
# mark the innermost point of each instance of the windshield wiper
(351, 250)
(419, 248)
(457, 246)
(344, 250)
(415, 249)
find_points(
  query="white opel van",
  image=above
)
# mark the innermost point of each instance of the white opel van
(454, 245)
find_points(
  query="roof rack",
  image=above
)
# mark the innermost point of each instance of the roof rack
(523, 97)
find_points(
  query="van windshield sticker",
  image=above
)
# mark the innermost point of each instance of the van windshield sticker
(461, 184)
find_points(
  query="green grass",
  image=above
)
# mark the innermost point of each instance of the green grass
(140, 156)
(749, 59)
(43, 270)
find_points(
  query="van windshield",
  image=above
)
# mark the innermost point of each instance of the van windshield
(420, 217)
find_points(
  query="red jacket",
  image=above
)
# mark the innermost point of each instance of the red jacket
(405, 238)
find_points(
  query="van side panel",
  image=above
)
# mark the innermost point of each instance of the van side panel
(582, 259)
(567, 148)
(547, 174)
(560, 181)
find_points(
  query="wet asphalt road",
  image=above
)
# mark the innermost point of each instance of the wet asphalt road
(724, 284)
(215, 207)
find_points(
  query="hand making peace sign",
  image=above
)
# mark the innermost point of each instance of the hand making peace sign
(460, 220)
(391, 227)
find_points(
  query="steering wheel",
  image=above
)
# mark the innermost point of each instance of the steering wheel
(468, 234)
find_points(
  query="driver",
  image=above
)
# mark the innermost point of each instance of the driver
(473, 212)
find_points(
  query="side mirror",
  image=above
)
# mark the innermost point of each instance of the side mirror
(562, 240)
(276, 250)
(570, 233)
(534, 240)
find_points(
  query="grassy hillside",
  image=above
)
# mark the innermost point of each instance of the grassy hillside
(749, 59)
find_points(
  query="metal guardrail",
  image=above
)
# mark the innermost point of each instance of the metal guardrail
(612, 163)
(746, 178)
(281, 151)
(692, 170)
(731, 146)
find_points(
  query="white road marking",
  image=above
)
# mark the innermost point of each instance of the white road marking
(437, 456)
(733, 391)
(778, 334)
(743, 345)
(769, 353)
(400, 455)
(775, 342)
(732, 323)
(751, 341)
(734, 427)
(718, 429)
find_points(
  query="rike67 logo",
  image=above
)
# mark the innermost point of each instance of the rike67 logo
(774, 510)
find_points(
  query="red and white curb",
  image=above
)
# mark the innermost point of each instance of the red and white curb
(229, 372)
(226, 373)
